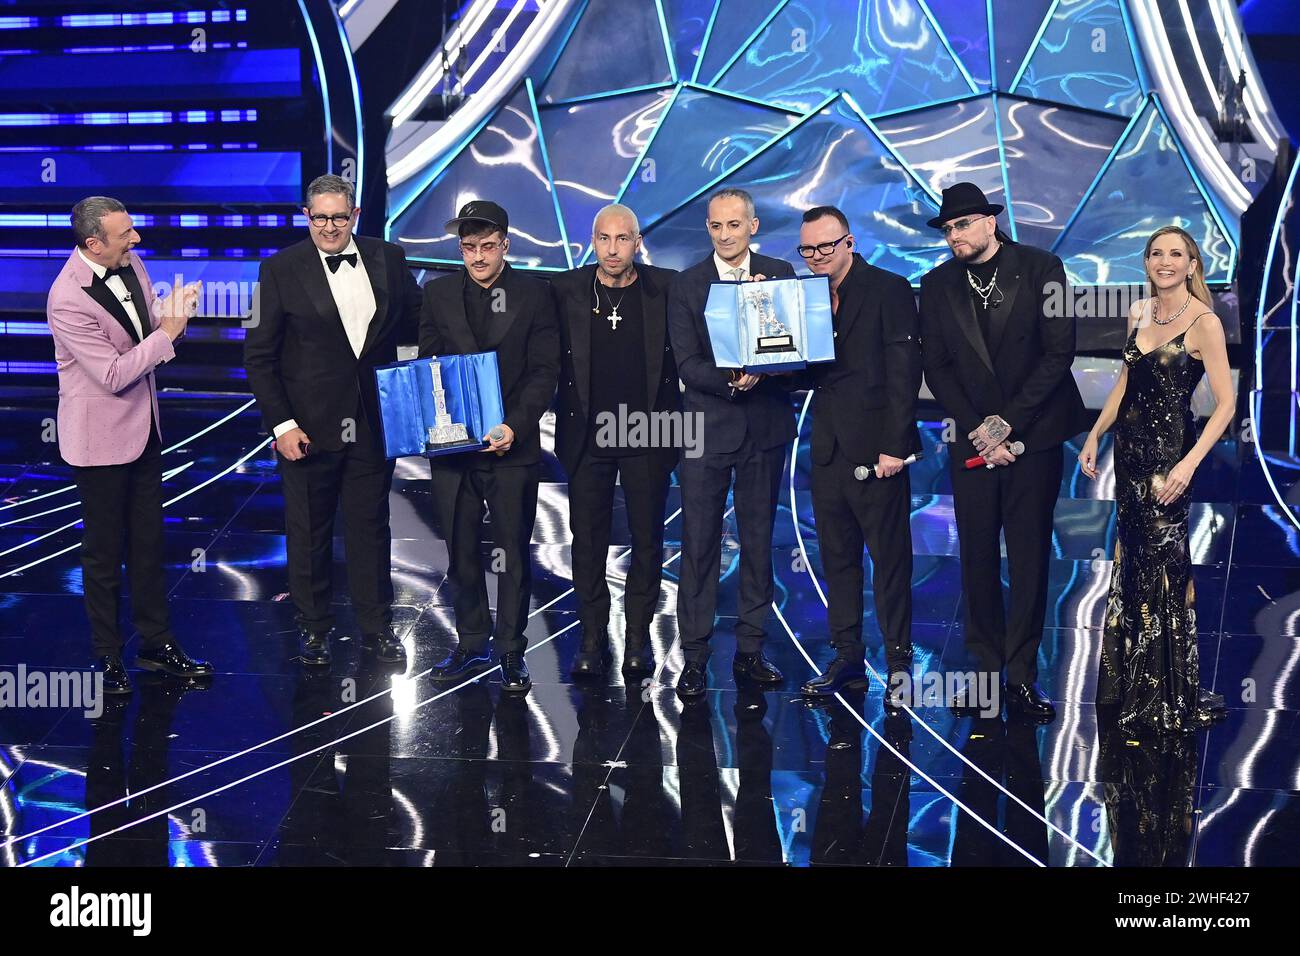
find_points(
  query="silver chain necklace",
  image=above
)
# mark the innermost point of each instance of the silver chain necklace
(1155, 311)
(984, 292)
(614, 317)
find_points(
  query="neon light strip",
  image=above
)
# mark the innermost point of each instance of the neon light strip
(478, 109)
(408, 102)
(1029, 54)
(546, 167)
(943, 38)
(704, 43)
(740, 51)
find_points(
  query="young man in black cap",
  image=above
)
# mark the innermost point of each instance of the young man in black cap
(488, 307)
(997, 357)
(618, 370)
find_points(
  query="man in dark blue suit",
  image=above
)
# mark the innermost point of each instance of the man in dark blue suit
(747, 421)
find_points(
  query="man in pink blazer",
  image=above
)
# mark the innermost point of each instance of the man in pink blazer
(110, 333)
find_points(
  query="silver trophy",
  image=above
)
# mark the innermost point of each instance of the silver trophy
(773, 336)
(444, 433)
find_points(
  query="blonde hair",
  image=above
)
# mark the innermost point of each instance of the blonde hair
(1196, 279)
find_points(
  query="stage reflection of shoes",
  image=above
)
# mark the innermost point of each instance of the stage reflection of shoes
(170, 659)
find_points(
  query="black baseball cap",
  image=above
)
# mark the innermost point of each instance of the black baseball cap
(480, 210)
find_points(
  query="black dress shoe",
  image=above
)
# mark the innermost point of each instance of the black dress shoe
(638, 656)
(593, 657)
(462, 662)
(1029, 702)
(116, 678)
(840, 673)
(314, 647)
(692, 683)
(756, 668)
(387, 647)
(170, 659)
(898, 692)
(514, 673)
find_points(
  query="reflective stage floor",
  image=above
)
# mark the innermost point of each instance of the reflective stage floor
(270, 765)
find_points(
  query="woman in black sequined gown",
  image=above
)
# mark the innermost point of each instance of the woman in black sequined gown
(1150, 671)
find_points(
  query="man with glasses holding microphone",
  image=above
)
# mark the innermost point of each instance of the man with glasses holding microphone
(329, 310)
(864, 430)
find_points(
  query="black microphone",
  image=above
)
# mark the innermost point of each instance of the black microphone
(863, 472)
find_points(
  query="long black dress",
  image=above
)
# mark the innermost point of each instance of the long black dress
(1149, 663)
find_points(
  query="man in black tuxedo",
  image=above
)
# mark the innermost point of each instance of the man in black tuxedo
(747, 421)
(329, 310)
(488, 307)
(997, 356)
(617, 371)
(864, 416)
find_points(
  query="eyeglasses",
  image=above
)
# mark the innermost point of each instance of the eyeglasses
(821, 249)
(961, 225)
(339, 219)
(487, 248)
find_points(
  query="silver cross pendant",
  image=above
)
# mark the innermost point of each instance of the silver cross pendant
(614, 318)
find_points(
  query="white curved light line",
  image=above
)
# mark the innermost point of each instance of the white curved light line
(794, 519)
(409, 100)
(1195, 137)
(479, 104)
(319, 720)
(198, 434)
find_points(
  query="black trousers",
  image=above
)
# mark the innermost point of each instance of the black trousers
(1017, 500)
(356, 480)
(121, 508)
(645, 480)
(875, 513)
(510, 492)
(705, 482)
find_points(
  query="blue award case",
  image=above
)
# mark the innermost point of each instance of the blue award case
(472, 383)
(801, 304)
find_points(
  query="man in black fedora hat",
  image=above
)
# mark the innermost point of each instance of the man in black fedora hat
(488, 307)
(997, 357)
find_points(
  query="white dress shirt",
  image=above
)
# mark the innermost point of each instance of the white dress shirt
(118, 288)
(355, 299)
(725, 272)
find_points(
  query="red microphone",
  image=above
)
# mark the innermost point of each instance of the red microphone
(1016, 448)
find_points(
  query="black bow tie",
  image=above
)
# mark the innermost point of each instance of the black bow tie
(333, 261)
(121, 272)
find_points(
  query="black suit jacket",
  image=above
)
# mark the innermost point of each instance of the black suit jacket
(1023, 372)
(573, 409)
(866, 398)
(526, 338)
(299, 361)
(765, 411)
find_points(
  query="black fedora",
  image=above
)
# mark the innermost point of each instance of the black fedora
(963, 199)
